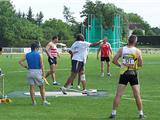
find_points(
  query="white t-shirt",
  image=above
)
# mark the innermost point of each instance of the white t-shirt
(80, 50)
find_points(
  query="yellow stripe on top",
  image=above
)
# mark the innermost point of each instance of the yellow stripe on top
(129, 59)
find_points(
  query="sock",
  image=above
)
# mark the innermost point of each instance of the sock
(54, 82)
(141, 112)
(113, 112)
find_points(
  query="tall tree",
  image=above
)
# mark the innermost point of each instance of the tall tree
(30, 15)
(68, 15)
(7, 20)
(39, 18)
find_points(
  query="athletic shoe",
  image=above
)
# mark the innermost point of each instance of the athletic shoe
(84, 92)
(141, 116)
(112, 116)
(46, 103)
(70, 86)
(109, 74)
(63, 89)
(79, 87)
(34, 103)
(102, 74)
(56, 83)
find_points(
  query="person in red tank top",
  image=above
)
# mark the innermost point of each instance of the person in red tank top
(52, 53)
(106, 51)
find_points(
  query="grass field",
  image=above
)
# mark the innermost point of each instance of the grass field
(81, 108)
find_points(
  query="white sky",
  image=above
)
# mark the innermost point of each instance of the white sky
(149, 10)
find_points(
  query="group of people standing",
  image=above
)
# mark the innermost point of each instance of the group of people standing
(131, 60)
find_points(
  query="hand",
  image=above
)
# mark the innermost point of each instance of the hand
(101, 41)
(97, 58)
(43, 74)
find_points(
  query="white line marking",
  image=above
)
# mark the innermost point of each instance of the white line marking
(21, 71)
(127, 98)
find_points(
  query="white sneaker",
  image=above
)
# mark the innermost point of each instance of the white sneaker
(79, 87)
(84, 91)
(34, 103)
(70, 86)
(102, 74)
(109, 74)
(63, 89)
(46, 103)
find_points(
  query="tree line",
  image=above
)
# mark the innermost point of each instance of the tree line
(20, 29)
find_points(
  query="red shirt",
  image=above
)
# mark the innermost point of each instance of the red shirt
(54, 52)
(105, 49)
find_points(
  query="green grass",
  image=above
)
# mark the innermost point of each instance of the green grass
(81, 108)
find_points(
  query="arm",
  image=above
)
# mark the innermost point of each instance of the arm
(98, 51)
(95, 44)
(116, 57)
(140, 59)
(47, 50)
(42, 66)
(110, 49)
(21, 62)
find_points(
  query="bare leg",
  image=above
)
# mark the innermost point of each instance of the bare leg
(42, 92)
(70, 79)
(120, 90)
(32, 93)
(52, 72)
(79, 79)
(136, 93)
(108, 67)
(102, 66)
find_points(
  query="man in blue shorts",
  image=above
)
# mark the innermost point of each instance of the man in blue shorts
(35, 72)
(79, 51)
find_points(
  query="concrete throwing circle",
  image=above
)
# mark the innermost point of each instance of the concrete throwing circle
(58, 93)
(71, 93)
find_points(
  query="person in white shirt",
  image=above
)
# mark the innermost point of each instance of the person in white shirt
(79, 51)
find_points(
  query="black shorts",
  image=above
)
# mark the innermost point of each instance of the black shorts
(52, 60)
(132, 79)
(77, 66)
(105, 59)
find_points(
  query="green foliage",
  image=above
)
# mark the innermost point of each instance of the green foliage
(138, 32)
(106, 12)
(156, 30)
(30, 15)
(57, 27)
(135, 18)
(150, 33)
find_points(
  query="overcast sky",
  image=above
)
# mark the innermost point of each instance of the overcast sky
(149, 10)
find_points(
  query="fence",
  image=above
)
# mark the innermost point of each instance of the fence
(91, 50)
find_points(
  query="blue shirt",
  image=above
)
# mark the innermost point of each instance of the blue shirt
(33, 60)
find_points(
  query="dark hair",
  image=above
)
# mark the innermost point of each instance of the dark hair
(34, 46)
(54, 37)
(80, 37)
(0, 48)
(132, 39)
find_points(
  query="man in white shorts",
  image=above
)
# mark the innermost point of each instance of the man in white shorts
(35, 72)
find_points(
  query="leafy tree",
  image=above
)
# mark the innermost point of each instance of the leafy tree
(7, 20)
(57, 27)
(39, 18)
(30, 15)
(135, 18)
(150, 33)
(106, 12)
(156, 30)
(138, 32)
(68, 15)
